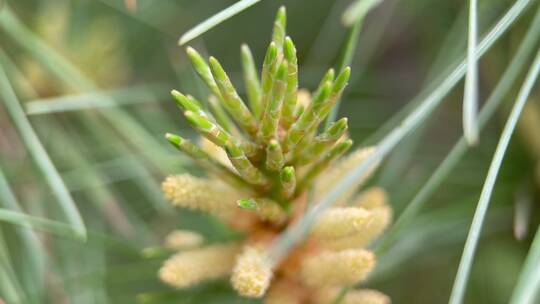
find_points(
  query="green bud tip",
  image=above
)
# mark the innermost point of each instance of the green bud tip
(195, 57)
(330, 74)
(174, 139)
(273, 145)
(184, 102)
(282, 71)
(287, 174)
(289, 50)
(324, 93)
(341, 80)
(343, 146)
(271, 53)
(177, 97)
(191, 51)
(338, 127)
(247, 203)
(197, 120)
(281, 15)
(217, 69)
(213, 62)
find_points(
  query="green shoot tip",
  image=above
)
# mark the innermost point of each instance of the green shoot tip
(282, 71)
(273, 145)
(247, 203)
(281, 15)
(287, 174)
(174, 139)
(271, 53)
(289, 50)
(191, 51)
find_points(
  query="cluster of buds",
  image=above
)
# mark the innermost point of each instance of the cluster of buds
(262, 159)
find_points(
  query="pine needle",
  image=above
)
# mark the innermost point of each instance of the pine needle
(458, 290)
(59, 66)
(529, 278)
(460, 148)
(296, 232)
(216, 19)
(470, 100)
(40, 156)
(92, 100)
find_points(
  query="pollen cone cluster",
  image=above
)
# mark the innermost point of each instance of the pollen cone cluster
(262, 156)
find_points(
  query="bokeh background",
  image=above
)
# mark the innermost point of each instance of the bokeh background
(93, 79)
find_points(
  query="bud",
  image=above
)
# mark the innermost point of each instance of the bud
(247, 203)
(307, 120)
(259, 147)
(272, 111)
(331, 268)
(322, 109)
(379, 219)
(188, 268)
(289, 104)
(232, 102)
(205, 160)
(287, 178)
(327, 78)
(280, 24)
(341, 222)
(274, 156)
(252, 273)
(185, 103)
(251, 80)
(203, 70)
(341, 80)
(268, 74)
(208, 195)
